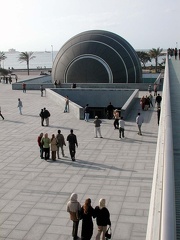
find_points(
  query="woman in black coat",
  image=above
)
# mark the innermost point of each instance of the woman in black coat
(102, 218)
(86, 214)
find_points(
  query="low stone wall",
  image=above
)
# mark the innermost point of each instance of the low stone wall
(125, 110)
(78, 110)
(140, 86)
(34, 84)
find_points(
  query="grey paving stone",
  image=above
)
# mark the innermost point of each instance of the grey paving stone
(36, 232)
(27, 222)
(17, 234)
(34, 193)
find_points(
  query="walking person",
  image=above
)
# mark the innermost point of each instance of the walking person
(46, 146)
(53, 147)
(150, 100)
(40, 145)
(149, 89)
(155, 89)
(24, 87)
(66, 109)
(86, 113)
(1, 114)
(158, 100)
(72, 139)
(142, 102)
(42, 90)
(60, 143)
(110, 109)
(116, 119)
(102, 218)
(158, 115)
(139, 121)
(86, 213)
(46, 116)
(20, 105)
(121, 127)
(42, 117)
(73, 206)
(97, 125)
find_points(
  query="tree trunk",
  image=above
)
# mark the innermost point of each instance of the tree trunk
(28, 67)
(156, 63)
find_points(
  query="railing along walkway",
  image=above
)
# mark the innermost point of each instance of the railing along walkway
(174, 72)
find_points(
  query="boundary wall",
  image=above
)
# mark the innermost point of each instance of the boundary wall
(162, 217)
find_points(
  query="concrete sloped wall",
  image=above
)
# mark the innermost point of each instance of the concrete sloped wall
(123, 98)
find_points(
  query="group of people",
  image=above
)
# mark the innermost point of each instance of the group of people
(55, 144)
(6, 79)
(86, 213)
(174, 52)
(146, 102)
(45, 115)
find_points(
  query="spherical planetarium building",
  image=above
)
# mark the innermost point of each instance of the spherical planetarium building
(97, 57)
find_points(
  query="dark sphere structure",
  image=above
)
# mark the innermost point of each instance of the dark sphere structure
(97, 57)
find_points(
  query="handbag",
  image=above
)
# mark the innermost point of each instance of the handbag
(108, 233)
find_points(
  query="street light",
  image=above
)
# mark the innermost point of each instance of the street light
(52, 54)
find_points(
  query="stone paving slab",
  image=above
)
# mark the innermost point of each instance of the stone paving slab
(34, 193)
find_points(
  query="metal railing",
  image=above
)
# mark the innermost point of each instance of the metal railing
(162, 217)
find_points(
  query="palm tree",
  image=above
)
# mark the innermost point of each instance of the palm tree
(2, 57)
(144, 57)
(4, 72)
(155, 53)
(26, 57)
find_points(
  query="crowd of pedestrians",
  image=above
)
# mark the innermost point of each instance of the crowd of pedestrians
(86, 213)
(55, 143)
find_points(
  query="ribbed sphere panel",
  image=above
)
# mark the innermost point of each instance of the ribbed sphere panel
(97, 57)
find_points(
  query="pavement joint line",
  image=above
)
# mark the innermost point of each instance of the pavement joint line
(119, 177)
(45, 192)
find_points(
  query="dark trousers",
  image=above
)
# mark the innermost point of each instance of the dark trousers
(109, 114)
(116, 123)
(121, 131)
(42, 121)
(53, 155)
(72, 150)
(75, 229)
(41, 152)
(46, 153)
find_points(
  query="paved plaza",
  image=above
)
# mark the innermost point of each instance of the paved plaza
(34, 193)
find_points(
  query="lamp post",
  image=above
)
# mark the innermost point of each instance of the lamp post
(52, 53)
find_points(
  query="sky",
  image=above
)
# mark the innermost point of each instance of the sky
(39, 25)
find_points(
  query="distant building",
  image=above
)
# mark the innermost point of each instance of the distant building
(12, 50)
(97, 57)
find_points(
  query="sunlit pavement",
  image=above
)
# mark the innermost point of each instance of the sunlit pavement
(34, 193)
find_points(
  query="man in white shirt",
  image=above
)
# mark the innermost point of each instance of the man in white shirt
(139, 121)
(121, 127)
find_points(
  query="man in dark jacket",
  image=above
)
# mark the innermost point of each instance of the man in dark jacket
(158, 100)
(72, 139)
(46, 116)
(110, 109)
(42, 117)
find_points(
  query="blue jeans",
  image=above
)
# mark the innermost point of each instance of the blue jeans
(86, 117)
